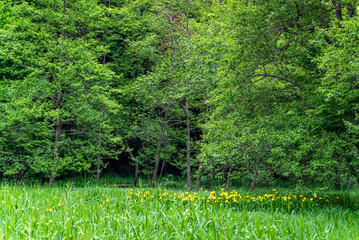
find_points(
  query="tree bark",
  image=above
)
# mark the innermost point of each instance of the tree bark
(98, 166)
(98, 169)
(135, 180)
(228, 178)
(58, 125)
(255, 175)
(163, 166)
(351, 10)
(199, 176)
(159, 145)
(200, 163)
(189, 184)
(338, 10)
(165, 120)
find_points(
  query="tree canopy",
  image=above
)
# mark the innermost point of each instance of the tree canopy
(237, 90)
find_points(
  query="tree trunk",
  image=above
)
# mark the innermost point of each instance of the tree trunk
(58, 123)
(158, 159)
(98, 166)
(199, 176)
(255, 175)
(98, 169)
(161, 138)
(189, 184)
(58, 126)
(135, 180)
(338, 10)
(163, 166)
(351, 10)
(198, 181)
(228, 178)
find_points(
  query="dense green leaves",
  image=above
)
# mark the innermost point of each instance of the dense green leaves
(256, 90)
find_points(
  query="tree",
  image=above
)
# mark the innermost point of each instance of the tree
(65, 92)
(271, 77)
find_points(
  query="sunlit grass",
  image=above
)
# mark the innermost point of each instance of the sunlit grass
(93, 212)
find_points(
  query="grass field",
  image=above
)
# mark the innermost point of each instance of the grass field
(106, 212)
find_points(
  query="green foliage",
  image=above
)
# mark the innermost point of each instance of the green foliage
(285, 99)
(251, 91)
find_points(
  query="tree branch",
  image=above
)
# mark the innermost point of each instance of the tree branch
(280, 77)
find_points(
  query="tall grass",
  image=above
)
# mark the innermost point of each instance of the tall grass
(100, 212)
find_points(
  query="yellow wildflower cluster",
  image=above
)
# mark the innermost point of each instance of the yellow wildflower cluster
(232, 197)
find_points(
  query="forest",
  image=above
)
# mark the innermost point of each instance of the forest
(234, 91)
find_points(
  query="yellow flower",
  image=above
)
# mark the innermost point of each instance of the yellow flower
(59, 204)
(107, 201)
(311, 199)
(337, 197)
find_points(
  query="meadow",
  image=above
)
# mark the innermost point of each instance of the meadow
(90, 211)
